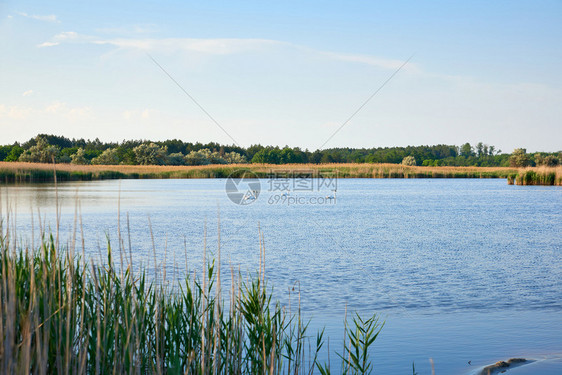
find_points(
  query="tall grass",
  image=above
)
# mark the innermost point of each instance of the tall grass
(537, 176)
(60, 315)
(35, 172)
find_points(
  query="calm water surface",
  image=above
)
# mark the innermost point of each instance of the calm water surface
(462, 270)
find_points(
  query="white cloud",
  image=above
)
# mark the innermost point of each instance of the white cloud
(66, 37)
(46, 18)
(56, 109)
(15, 112)
(221, 46)
(27, 93)
(48, 44)
(370, 60)
(70, 113)
(127, 115)
(144, 114)
(206, 46)
(231, 46)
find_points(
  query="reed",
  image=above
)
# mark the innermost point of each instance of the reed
(537, 176)
(61, 315)
(16, 172)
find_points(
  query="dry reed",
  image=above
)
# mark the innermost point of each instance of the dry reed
(37, 172)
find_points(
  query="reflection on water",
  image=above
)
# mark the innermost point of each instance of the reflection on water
(433, 255)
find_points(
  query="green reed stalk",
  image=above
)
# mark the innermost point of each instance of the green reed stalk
(59, 315)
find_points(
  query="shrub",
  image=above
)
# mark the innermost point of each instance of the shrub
(551, 161)
(79, 157)
(204, 157)
(234, 158)
(519, 158)
(108, 157)
(150, 154)
(200, 157)
(41, 152)
(177, 158)
(14, 153)
(409, 160)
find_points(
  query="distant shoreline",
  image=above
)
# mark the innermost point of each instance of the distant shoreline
(19, 172)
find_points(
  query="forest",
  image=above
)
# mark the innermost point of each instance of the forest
(45, 148)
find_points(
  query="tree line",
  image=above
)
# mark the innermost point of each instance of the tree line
(46, 148)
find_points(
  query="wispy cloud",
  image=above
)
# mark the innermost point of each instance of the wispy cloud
(69, 36)
(66, 37)
(57, 109)
(48, 44)
(46, 18)
(15, 112)
(27, 93)
(220, 46)
(139, 114)
(70, 113)
(206, 46)
(390, 64)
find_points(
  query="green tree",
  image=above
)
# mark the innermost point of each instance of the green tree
(287, 156)
(316, 157)
(174, 146)
(201, 157)
(150, 154)
(4, 152)
(54, 140)
(14, 153)
(466, 150)
(326, 158)
(539, 159)
(409, 160)
(480, 149)
(267, 156)
(253, 150)
(551, 161)
(204, 157)
(66, 153)
(79, 157)
(108, 157)
(41, 152)
(234, 158)
(216, 158)
(519, 158)
(176, 158)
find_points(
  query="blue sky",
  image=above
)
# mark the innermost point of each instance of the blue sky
(284, 73)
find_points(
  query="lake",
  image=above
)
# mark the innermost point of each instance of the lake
(462, 270)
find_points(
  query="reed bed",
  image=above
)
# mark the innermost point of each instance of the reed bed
(61, 315)
(537, 176)
(17, 172)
